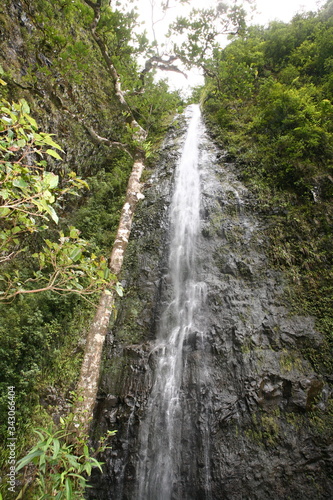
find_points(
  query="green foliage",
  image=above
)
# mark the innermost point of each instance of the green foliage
(201, 30)
(40, 348)
(27, 191)
(270, 104)
(103, 204)
(155, 107)
(40, 336)
(63, 268)
(60, 72)
(60, 469)
(27, 198)
(290, 129)
(2, 82)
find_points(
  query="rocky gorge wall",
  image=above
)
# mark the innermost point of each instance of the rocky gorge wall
(266, 411)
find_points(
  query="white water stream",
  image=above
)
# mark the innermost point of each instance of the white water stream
(163, 435)
(184, 403)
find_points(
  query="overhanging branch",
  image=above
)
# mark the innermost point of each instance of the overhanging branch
(139, 133)
(158, 62)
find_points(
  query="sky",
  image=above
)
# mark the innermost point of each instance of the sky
(283, 10)
(267, 10)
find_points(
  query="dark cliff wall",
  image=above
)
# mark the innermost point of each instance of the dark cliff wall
(267, 410)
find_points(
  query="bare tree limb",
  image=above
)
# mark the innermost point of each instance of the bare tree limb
(157, 62)
(89, 376)
(96, 137)
(139, 133)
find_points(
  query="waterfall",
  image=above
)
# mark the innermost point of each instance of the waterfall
(169, 428)
(205, 377)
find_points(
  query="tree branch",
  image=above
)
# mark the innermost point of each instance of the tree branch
(88, 382)
(157, 62)
(139, 133)
(95, 136)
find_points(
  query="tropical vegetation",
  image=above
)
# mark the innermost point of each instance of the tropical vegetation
(268, 99)
(71, 88)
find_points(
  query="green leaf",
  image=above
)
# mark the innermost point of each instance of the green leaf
(42, 461)
(119, 289)
(49, 243)
(47, 140)
(74, 232)
(80, 183)
(21, 143)
(96, 463)
(24, 106)
(4, 194)
(6, 120)
(53, 214)
(32, 121)
(4, 211)
(87, 468)
(28, 459)
(53, 153)
(20, 183)
(76, 254)
(40, 434)
(76, 475)
(56, 448)
(49, 197)
(51, 179)
(68, 486)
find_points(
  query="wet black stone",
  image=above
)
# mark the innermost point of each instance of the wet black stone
(255, 406)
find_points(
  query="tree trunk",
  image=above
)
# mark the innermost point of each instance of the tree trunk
(89, 377)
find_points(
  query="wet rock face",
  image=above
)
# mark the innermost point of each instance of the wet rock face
(261, 400)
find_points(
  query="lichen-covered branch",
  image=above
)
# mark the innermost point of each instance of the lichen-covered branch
(164, 64)
(89, 377)
(139, 133)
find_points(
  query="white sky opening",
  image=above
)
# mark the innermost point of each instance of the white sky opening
(266, 11)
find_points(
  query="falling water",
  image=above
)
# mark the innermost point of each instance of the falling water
(191, 406)
(169, 430)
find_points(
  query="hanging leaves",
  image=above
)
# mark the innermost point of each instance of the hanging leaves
(28, 195)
